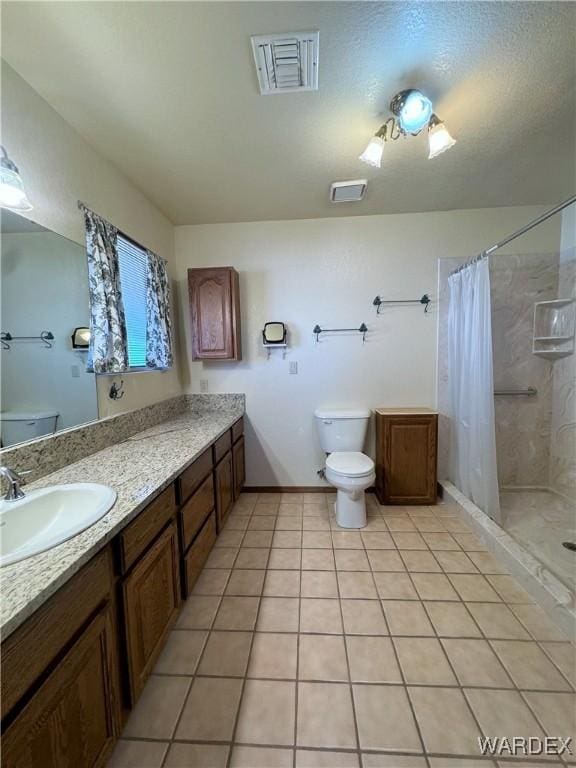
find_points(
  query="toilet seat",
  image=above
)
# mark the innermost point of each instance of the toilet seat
(350, 464)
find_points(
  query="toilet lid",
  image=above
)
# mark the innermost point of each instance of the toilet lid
(351, 463)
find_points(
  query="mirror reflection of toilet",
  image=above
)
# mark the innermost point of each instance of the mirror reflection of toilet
(342, 433)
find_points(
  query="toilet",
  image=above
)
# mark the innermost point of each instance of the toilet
(21, 426)
(342, 434)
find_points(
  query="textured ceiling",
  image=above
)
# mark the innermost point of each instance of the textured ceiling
(168, 91)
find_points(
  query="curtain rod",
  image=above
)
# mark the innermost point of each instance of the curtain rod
(514, 235)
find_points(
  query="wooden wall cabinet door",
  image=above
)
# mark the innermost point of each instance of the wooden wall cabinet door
(73, 718)
(406, 457)
(238, 454)
(151, 595)
(224, 486)
(215, 312)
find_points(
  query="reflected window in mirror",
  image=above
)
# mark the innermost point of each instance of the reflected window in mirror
(44, 281)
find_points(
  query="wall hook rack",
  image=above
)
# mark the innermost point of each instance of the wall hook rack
(363, 330)
(47, 337)
(425, 300)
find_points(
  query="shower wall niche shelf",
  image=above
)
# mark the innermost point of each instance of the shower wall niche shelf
(554, 326)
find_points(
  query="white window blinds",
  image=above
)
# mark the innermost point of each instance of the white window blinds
(133, 263)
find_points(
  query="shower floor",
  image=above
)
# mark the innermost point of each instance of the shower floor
(541, 521)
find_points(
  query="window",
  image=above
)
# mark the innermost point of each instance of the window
(133, 263)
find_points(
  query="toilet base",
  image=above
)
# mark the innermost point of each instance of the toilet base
(350, 509)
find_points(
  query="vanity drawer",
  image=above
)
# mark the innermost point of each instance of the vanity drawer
(196, 510)
(139, 534)
(191, 478)
(238, 429)
(32, 647)
(198, 553)
(222, 445)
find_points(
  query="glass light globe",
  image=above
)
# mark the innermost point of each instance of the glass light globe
(12, 194)
(372, 155)
(439, 140)
(415, 112)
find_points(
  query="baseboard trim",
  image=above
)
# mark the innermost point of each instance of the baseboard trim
(293, 489)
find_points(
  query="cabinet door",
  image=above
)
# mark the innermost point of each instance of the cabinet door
(224, 484)
(408, 451)
(239, 467)
(215, 311)
(72, 720)
(151, 600)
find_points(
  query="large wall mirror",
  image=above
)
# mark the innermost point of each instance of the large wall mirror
(45, 384)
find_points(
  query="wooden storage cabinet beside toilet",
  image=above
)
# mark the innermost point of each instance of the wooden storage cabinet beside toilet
(406, 455)
(73, 670)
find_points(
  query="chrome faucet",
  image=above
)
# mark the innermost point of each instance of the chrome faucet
(14, 480)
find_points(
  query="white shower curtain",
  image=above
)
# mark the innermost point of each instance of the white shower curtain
(471, 388)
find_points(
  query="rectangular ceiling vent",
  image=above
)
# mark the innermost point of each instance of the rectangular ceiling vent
(286, 63)
(348, 191)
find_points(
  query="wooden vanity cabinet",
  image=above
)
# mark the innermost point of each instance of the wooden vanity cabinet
(224, 486)
(406, 456)
(214, 296)
(239, 461)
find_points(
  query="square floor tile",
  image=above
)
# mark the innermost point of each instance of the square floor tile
(262, 523)
(322, 657)
(266, 508)
(237, 522)
(282, 584)
(407, 617)
(237, 613)
(375, 523)
(474, 588)
(400, 524)
(226, 654)
(385, 560)
(181, 652)
(556, 712)
(260, 757)
(291, 498)
(284, 559)
(317, 540)
(476, 664)
(503, 713)
(452, 619)
(294, 510)
(433, 586)
(320, 615)
(351, 560)
(440, 541)
(409, 541)
(429, 524)
(138, 754)
(229, 539)
(273, 656)
(210, 711)
(509, 589)
(316, 524)
(384, 718)
(456, 562)
(309, 758)
(529, 666)
(363, 617)
(287, 539)
(445, 721)
(395, 586)
(260, 539)
(212, 581)
(423, 661)
(487, 563)
(245, 582)
(455, 526)
(196, 756)
(381, 760)
(469, 542)
(252, 557)
(198, 612)
(289, 523)
(318, 584)
(222, 557)
(318, 560)
(420, 561)
(537, 622)
(267, 713)
(377, 540)
(355, 584)
(315, 728)
(497, 621)
(564, 657)
(158, 708)
(278, 614)
(372, 660)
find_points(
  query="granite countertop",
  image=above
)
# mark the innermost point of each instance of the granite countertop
(138, 469)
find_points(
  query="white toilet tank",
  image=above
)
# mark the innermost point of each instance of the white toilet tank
(342, 429)
(18, 426)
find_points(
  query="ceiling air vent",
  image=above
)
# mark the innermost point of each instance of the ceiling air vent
(286, 63)
(348, 191)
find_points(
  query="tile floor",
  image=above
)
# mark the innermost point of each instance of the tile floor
(304, 645)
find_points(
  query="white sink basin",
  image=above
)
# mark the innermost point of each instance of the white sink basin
(49, 516)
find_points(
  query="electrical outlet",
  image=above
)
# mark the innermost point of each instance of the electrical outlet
(293, 367)
(75, 371)
(203, 385)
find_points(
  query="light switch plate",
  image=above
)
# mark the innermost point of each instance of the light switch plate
(203, 385)
(293, 366)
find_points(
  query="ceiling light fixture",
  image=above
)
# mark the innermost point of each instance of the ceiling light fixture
(412, 111)
(12, 194)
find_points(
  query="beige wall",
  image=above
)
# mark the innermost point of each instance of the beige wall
(328, 271)
(59, 168)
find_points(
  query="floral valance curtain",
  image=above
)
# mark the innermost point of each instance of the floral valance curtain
(158, 321)
(108, 337)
